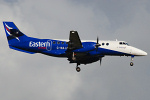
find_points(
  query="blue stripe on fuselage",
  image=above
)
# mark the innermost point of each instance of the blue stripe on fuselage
(104, 51)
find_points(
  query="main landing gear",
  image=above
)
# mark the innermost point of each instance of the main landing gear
(74, 60)
(78, 68)
(131, 63)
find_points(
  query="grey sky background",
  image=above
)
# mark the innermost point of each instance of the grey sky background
(39, 77)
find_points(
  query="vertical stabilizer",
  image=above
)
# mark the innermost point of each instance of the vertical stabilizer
(13, 34)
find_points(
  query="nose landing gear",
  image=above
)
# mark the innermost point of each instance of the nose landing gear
(131, 63)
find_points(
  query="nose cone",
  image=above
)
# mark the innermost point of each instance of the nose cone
(138, 52)
(142, 53)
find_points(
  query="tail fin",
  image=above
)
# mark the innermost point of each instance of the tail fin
(14, 35)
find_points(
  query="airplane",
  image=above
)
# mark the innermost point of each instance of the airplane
(75, 50)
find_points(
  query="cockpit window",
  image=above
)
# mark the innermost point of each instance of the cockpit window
(127, 44)
(123, 43)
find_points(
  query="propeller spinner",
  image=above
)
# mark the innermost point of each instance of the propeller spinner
(97, 44)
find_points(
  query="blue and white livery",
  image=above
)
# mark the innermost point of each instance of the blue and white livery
(75, 50)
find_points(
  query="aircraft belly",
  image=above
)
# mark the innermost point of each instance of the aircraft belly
(84, 59)
(55, 53)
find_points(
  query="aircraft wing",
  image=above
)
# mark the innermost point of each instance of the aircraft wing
(74, 41)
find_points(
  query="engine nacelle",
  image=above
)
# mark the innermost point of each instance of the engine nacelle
(86, 47)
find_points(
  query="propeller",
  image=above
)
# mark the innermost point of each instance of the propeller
(97, 44)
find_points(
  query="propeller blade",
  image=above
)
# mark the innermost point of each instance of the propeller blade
(100, 59)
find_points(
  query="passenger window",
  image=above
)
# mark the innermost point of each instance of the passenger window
(54, 42)
(124, 43)
(107, 44)
(58, 42)
(62, 42)
(67, 42)
(103, 43)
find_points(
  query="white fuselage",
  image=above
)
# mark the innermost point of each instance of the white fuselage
(120, 46)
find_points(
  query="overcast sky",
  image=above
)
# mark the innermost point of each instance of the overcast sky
(40, 77)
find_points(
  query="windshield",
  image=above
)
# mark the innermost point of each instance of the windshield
(123, 43)
(127, 44)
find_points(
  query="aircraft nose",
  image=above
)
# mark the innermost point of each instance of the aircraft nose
(144, 53)
(139, 52)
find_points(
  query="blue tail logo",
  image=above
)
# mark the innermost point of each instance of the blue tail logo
(12, 32)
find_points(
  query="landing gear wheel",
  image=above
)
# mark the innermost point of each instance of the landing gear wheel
(131, 64)
(78, 69)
